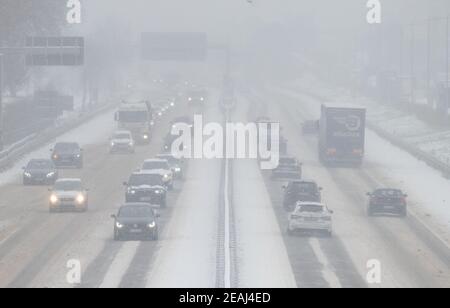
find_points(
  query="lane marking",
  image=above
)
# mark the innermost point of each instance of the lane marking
(120, 265)
(327, 269)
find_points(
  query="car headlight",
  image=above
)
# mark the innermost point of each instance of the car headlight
(202, 99)
(55, 156)
(177, 169)
(112, 144)
(53, 199)
(145, 137)
(119, 225)
(152, 225)
(166, 176)
(27, 174)
(80, 199)
(131, 143)
(190, 99)
(158, 192)
(51, 174)
(78, 155)
(131, 191)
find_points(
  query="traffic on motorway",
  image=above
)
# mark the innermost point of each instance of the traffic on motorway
(209, 146)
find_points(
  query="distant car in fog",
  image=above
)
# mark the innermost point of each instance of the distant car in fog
(175, 164)
(300, 191)
(68, 195)
(197, 97)
(122, 142)
(40, 171)
(387, 200)
(288, 167)
(136, 220)
(146, 186)
(67, 154)
(310, 127)
(310, 216)
(162, 167)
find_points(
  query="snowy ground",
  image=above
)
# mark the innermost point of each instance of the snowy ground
(427, 188)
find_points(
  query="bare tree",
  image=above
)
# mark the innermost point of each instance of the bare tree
(21, 18)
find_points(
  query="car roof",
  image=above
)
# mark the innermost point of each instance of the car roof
(122, 132)
(146, 172)
(303, 181)
(69, 180)
(155, 160)
(301, 203)
(132, 204)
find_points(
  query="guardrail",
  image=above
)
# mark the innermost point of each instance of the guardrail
(32, 142)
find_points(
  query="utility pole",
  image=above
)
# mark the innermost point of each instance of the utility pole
(429, 61)
(412, 64)
(447, 60)
(1, 102)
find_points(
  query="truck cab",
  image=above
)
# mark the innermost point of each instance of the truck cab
(137, 118)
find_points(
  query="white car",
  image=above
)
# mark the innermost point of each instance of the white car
(310, 216)
(162, 167)
(122, 141)
(68, 194)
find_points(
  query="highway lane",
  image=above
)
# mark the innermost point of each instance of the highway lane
(407, 259)
(37, 245)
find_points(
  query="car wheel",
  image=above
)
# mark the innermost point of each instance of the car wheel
(403, 212)
(117, 236)
(289, 232)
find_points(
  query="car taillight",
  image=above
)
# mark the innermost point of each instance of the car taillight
(358, 152)
(331, 151)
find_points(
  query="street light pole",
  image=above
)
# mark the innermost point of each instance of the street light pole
(1, 101)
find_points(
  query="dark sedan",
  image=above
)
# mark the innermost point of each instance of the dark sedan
(389, 201)
(301, 191)
(136, 220)
(67, 154)
(40, 172)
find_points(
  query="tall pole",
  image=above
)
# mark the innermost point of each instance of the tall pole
(447, 61)
(428, 61)
(412, 64)
(1, 102)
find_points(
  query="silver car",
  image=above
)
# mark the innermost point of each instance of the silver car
(311, 216)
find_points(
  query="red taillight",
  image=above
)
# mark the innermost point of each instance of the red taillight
(331, 151)
(358, 152)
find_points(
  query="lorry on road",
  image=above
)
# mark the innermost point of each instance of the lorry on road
(342, 134)
(137, 118)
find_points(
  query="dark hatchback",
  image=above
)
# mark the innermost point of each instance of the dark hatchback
(67, 154)
(40, 172)
(387, 201)
(136, 220)
(288, 168)
(301, 191)
(146, 187)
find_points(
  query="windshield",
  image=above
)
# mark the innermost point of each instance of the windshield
(136, 212)
(304, 187)
(66, 147)
(288, 161)
(388, 193)
(145, 179)
(68, 186)
(310, 208)
(133, 116)
(122, 136)
(155, 165)
(40, 164)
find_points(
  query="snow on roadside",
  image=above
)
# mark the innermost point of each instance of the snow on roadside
(95, 130)
(425, 185)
